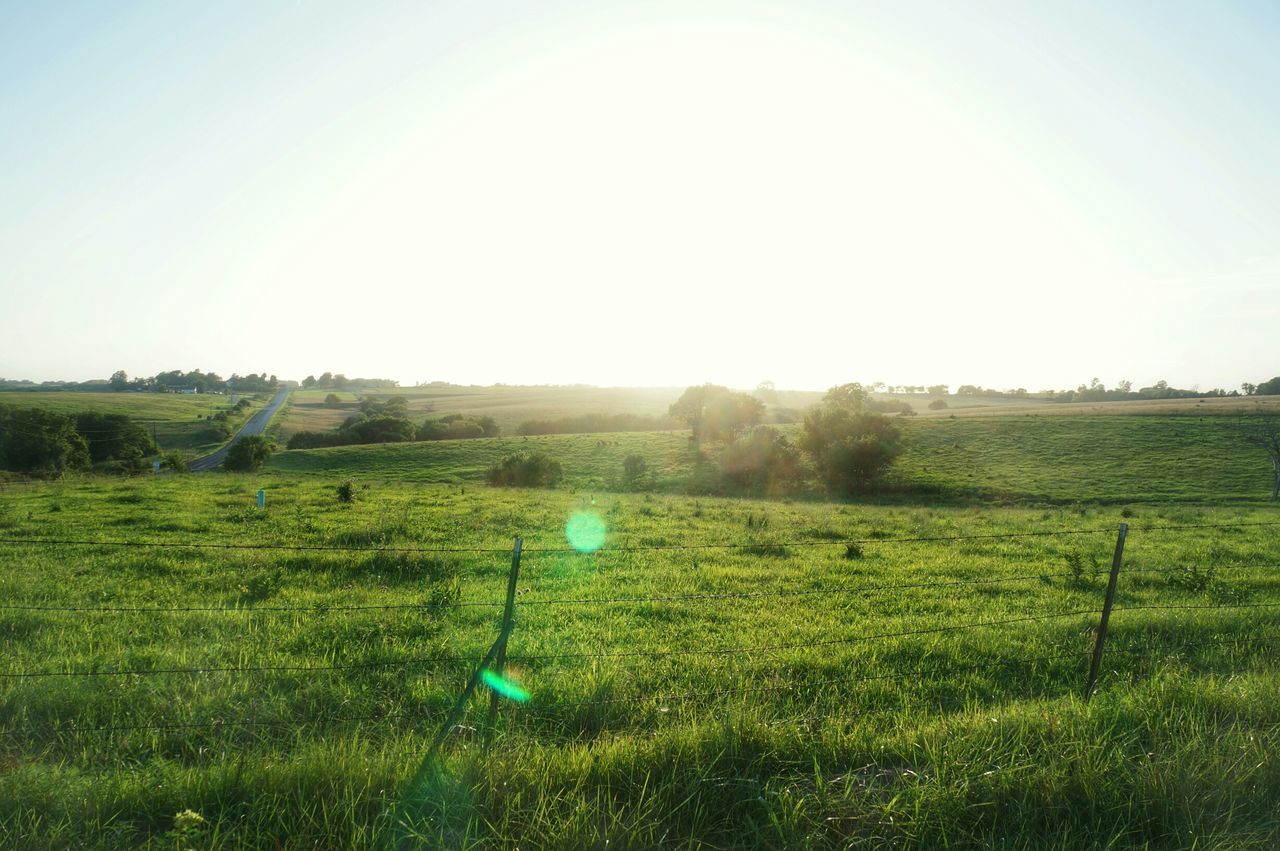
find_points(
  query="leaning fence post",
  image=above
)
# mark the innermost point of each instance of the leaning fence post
(508, 617)
(1101, 638)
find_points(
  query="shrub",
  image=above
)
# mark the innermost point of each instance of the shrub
(761, 461)
(332, 401)
(938, 405)
(248, 453)
(851, 447)
(347, 492)
(634, 471)
(525, 471)
(176, 461)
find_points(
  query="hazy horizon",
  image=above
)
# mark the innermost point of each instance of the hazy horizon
(643, 196)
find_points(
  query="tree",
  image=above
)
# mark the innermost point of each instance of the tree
(1268, 388)
(1263, 432)
(114, 437)
(119, 380)
(38, 441)
(938, 389)
(1249, 389)
(248, 453)
(851, 447)
(760, 461)
(716, 412)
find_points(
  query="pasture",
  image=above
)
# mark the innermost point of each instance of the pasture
(722, 673)
(1059, 460)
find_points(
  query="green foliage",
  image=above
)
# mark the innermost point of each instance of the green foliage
(114, 437)
(176, 461)
(851, 447)
(33, 440)
(761, 462)
(532, 470)
(248, 453)
(713, 412)
(635, 472)
(347, 492)
(938, 405)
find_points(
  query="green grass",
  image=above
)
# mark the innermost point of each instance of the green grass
(177, 420)
(1116, 460)
(928, 740)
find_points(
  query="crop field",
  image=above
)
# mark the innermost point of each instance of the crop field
(178, 420)
(1048, 459)
(509, 406)
(719, 673)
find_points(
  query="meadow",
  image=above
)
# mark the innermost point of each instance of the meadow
(721, 673)
(1102, 459)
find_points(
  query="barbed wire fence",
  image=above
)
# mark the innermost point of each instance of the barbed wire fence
(493, 662)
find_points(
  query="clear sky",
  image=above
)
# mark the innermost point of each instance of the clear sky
(657, 193)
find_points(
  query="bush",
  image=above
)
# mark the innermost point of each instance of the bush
(248, 453)
(347, 492)
(851, 447)
(312, 440)
(759, 462)
(635, 469)
(938, 405)
(525, 471)
(176, 461)
(38, 441)
(332, 401)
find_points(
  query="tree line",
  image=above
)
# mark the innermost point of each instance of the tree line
(45, 443)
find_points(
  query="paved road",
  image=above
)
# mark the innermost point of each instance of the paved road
(256, 424)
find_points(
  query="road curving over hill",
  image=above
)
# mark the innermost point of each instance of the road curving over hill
(256, 425)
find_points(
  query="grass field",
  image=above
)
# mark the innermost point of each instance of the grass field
(773, 717)
(177, 420)
(1042, 459)
(509, 406)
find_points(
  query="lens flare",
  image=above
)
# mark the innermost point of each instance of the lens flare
(585, 532)
(503, 686)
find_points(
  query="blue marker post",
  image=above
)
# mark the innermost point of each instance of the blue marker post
(262, 498)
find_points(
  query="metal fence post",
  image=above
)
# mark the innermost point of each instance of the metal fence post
(1101, 637)
(508, 618)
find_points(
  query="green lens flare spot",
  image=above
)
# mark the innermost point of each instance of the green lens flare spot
(585, 532)
(503, 686)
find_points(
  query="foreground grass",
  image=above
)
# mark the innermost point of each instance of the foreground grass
(1102, 459)
(762, 720)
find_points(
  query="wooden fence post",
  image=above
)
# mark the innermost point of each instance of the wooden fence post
(1101, 637)
(508, 618)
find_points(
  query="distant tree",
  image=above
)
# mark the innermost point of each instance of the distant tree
(938, 389)
(248, 453)
(938, 404)
(332, 400)
(851, 447)
(714, 412)
(308, 382)
(1263, 431)
(766, 392)
(119, 380)
(1269, 388)
(1249, 389)
(969, 390)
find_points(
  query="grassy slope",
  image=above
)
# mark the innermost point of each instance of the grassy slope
(952, 744)
(1055, 459)
(178, 418)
